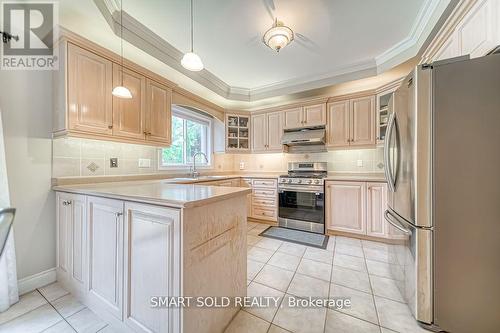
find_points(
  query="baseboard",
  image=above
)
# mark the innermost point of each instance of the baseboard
(30, 283)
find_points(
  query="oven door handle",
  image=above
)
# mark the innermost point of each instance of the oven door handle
(300, 190)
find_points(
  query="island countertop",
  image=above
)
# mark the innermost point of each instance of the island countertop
(157, 192)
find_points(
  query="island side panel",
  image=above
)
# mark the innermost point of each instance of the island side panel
(214, 260)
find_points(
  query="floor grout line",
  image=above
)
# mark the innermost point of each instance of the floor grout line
(50, 303)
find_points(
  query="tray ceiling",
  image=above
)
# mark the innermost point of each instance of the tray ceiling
(336, 40)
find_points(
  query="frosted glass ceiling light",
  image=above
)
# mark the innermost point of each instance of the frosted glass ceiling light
(121, 91)
(278, 36)
(191, 61)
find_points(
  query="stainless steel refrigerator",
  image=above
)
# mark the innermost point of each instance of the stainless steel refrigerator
(442, 163)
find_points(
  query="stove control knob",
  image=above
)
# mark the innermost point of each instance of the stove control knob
(309, 181)
(316, 181)
(290, 181)
(299, 181)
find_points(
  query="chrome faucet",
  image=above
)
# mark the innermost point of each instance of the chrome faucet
(194, 173)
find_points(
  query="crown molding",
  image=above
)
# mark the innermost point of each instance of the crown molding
(143, 38)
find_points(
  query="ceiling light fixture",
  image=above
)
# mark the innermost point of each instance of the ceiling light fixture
(278, 36)
(191, 61)
(121, 91)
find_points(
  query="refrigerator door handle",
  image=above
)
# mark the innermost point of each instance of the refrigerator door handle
(388, 170)
(395, 223)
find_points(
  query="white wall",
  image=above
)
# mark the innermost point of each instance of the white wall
(26, 104)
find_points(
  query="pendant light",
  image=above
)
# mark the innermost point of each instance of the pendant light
(191, 61)
(121, 91)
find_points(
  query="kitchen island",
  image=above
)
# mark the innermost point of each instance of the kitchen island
(122, 244)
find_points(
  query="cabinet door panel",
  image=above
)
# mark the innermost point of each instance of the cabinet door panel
(106, 253)
(78, 233)
(90, 83)
(476, 31)
(338, 124)
(159, 113)
(64, 216)
(376, 203)
(345, 209)
(128, 114)
(259, 132)
(363, 121)
(293, 118)
(152, 266)
(315, 115)
(274, 131)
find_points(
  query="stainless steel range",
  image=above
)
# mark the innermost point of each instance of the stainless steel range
(302, 197)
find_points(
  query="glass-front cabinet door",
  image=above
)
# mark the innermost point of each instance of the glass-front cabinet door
(237, 133)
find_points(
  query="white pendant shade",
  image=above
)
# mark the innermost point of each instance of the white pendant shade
(121, 92)
(191, 61)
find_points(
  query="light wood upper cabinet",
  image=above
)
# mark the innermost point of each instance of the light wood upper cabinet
(85, 107)
(158, 113)
(315, 115)
(267, 129)
(362, 119)
(259, 132)
(105, 249)
(376, 204)
(90, 83)
(338, 124)
(293, 118)
(346, 206)
(274, 131)
(352, 122)
(305, 116)
(129, 114)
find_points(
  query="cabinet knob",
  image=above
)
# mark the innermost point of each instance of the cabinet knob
(110, 126)
(66, 202)
(118, 214)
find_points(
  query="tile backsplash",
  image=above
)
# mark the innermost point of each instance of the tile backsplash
(73, 157)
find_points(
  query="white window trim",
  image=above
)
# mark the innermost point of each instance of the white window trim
(190, 115)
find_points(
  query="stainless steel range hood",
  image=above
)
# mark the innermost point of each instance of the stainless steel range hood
(304, 140)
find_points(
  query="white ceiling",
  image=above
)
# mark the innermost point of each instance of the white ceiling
(336, 40)
(335, 34)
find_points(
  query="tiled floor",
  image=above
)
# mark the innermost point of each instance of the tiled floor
(350, 268)
(50, 309)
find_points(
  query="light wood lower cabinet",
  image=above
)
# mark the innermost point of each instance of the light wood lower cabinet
(71, 240)
(152, 266)
(358, 208)
(346, 206)
(376, 201)
(264, 203)
(105, 254)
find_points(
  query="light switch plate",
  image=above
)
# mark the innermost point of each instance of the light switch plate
(360, 163)
(242, 165)
(144, 163)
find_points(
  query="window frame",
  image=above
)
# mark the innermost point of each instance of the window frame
(194, 116)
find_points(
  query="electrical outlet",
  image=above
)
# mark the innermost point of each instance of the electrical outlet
(242, 165)
(360, 163)
(113, 162)
(144, 163)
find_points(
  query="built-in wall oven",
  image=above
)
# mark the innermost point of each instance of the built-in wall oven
(302, 197)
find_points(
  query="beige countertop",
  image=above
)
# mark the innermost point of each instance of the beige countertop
(157, 192)
(184, 179)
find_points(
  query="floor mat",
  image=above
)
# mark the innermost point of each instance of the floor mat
(296, 236)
